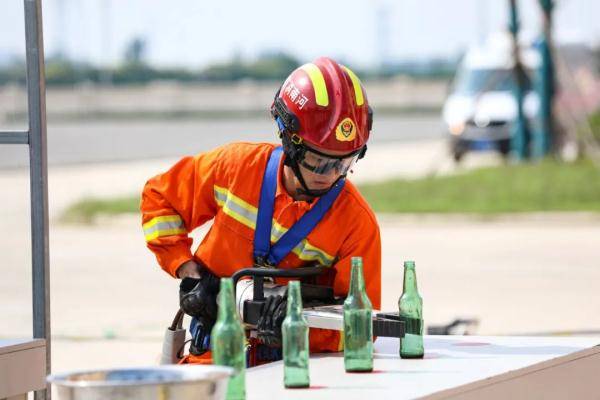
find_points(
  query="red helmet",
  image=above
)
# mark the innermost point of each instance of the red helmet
(324, 104)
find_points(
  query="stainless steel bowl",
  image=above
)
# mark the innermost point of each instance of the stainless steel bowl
(165, 382)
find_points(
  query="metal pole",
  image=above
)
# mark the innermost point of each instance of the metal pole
(545, 85)
(36, 90)
(520, 134)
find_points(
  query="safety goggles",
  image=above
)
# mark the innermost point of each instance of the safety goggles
(323, 164)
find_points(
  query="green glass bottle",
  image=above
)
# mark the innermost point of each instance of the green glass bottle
(295, 341)
(410, 306)
(228, 341)
(358, 323)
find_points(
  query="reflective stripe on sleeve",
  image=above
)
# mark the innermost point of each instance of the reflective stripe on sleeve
(165, 225)
(246, 214)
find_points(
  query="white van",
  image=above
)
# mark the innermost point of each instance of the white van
(480, 109)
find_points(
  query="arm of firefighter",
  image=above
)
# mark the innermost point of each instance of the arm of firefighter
(175, 203)
(364, 241)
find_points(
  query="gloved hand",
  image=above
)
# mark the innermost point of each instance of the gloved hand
(271, 317)
(198, 297)
(200, 330)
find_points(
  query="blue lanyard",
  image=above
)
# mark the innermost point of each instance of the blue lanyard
(264, 253)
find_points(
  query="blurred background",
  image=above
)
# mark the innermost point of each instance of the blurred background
(483, 165)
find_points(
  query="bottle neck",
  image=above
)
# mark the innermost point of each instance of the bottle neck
(294, 300)
(226, 303)
(357, 283)
(410, 281)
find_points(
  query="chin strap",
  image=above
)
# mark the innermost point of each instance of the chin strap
(304, 190)
(291, 153)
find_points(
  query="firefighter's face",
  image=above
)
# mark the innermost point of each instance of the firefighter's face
(321, 172)
(319, 181)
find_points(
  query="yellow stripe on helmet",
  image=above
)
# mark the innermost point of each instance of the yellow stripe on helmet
(318, 82)
(357, 86)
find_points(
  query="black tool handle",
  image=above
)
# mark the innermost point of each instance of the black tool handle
(260, 272)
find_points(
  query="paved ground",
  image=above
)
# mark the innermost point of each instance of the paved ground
(110, 302)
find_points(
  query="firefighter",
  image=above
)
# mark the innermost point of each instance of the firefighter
(324, 121)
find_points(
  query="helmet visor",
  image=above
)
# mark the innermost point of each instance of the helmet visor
(319, 163)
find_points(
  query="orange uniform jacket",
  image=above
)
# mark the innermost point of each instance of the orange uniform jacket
(224, 184)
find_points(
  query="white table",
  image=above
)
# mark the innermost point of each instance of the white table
(22, 367)
(454, 367)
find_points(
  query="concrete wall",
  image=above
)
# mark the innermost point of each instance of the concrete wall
(175, 97)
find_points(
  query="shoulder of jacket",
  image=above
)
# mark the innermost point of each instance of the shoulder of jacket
(356, 201)
(238, 157)
(243, 150)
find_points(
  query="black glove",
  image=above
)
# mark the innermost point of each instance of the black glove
(271, 317)
(198, 297)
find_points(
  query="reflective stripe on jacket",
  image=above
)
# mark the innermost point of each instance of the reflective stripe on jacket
(223, 185)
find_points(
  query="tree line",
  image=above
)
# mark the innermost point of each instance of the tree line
(134, 69)
(62, 71)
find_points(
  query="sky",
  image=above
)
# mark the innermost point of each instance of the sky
(194, 33)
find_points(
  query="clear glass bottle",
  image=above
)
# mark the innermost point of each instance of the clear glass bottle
(228, 341)
(295, 341)
(358, 323)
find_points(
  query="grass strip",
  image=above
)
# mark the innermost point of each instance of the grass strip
(545, 186)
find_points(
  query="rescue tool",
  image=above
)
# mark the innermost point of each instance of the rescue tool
(321, 308)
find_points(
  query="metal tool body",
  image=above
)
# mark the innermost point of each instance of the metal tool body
(321, 308)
